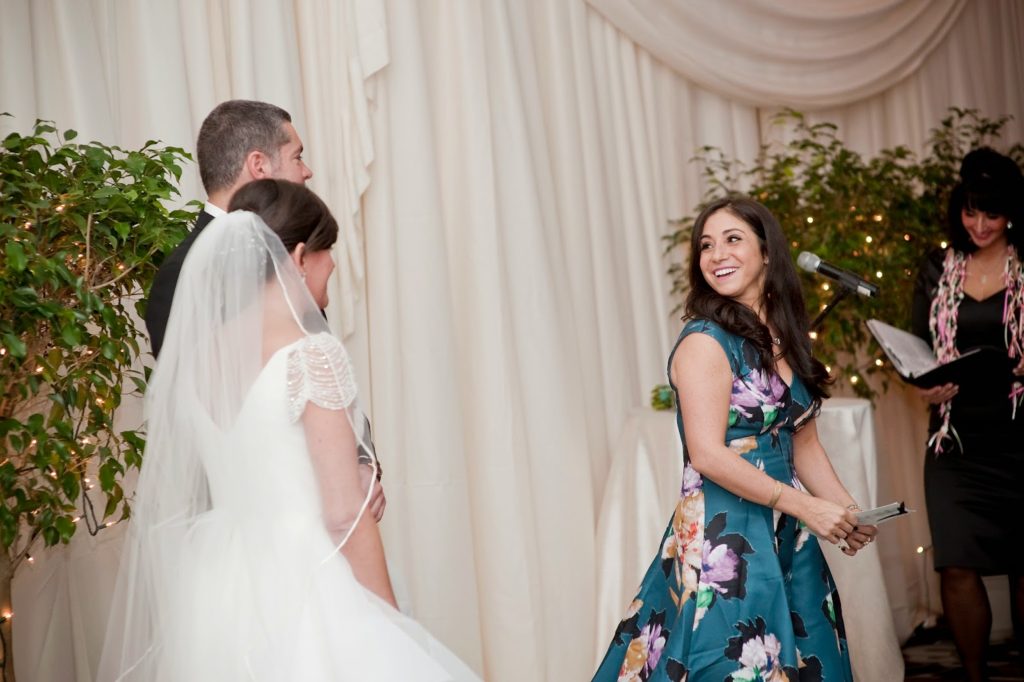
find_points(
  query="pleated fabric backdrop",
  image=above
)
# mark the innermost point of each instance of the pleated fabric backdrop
(504, 173)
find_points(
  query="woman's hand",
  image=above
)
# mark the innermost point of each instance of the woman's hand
(829, 521)
(936, 395)
(860, 538)
(377, 500)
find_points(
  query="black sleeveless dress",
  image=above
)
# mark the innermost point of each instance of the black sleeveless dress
(975, 493)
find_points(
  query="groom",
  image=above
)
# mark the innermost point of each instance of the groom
(239, 141)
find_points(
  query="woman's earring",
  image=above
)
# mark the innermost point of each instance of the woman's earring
(303, 275)
(1009, 224)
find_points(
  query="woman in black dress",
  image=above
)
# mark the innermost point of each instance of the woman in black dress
(972, 294)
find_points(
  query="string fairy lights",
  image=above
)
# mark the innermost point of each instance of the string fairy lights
(874, 245)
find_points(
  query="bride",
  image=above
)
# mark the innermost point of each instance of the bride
(250, 554)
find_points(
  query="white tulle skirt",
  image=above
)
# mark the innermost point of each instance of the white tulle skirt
(272, 601)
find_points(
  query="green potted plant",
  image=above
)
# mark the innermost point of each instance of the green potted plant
(83, 228)
(877, 217)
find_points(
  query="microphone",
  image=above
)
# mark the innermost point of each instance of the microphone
(811, 263)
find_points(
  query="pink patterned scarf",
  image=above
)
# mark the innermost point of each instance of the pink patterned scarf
(942, 322)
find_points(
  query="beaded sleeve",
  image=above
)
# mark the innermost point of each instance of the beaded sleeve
(319, 371)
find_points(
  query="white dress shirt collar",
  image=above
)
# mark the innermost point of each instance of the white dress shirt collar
(215, 211)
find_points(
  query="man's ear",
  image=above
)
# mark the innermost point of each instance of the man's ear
(258, 165)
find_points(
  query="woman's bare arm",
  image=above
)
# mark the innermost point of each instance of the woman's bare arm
(332, 447)
(701, 373)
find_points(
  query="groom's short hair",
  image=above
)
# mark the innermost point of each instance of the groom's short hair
(233, 130)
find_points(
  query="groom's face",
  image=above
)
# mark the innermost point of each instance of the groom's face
(289, 165)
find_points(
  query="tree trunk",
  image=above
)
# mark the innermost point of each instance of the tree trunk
(6, 612)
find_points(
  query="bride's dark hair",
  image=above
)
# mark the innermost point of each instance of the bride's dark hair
(291, 210)
(781, 299)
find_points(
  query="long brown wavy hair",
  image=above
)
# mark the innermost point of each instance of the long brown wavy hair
(782, 299)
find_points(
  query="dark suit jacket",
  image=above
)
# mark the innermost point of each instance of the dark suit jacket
(158, 307)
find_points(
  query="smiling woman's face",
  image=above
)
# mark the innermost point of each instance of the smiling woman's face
(984, 228)
(731, 259)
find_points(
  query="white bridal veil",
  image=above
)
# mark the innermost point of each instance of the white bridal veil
(239, 300)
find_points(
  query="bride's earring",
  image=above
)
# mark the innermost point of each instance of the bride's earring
(303, 275)
(1009, 224)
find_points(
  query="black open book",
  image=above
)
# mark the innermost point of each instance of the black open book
(916, 364)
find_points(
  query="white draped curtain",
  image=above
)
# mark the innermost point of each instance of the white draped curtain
(504, 172)
(797, 53)
(127, 72)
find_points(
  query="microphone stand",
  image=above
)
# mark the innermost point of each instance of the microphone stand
(841, 293)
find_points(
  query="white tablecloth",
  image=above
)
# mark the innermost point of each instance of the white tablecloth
(641, 493)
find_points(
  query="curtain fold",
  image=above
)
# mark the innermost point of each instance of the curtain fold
(791, 52)
(131, 72)
(979, 64)
(536, 157)
(465, 294)
(125, 73)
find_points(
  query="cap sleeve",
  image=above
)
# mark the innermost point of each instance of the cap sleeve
(319, 371)
(728, 342)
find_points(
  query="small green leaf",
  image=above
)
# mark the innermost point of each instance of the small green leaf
(8, 532)
(70, 485)
(51, 536)
(114, 498)
(24, 297)
(65, 528)
(16, 259)
(71, 335)
(15, 346)
(108, 350)
(107, 476)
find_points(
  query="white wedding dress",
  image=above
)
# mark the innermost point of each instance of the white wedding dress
(251, 607)
(229, 572)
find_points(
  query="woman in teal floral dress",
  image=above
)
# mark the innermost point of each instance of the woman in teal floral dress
(740, 590)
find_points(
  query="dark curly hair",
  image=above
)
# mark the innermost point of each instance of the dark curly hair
(782, 298)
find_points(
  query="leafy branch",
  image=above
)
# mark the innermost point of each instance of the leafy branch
(84, 228)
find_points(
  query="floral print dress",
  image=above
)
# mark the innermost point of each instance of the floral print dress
(739, 592)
